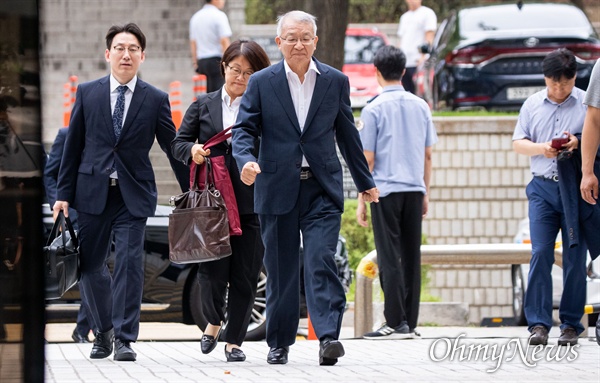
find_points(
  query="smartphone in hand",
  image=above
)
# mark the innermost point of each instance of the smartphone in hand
(557, 143)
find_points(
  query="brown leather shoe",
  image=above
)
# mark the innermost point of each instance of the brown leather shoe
(539, 335)
(568, 337)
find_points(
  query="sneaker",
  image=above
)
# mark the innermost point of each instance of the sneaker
(568, 336)
(403, 332)
(414, 334)
(539, 335)
(387, 332)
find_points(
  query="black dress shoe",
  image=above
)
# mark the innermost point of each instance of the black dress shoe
(78, 338)
(236, 355)
(123, 351)
(278, 355)
(103, 344)
(209, 342)
(329, 352)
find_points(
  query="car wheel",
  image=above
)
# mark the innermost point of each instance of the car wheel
(257, 328)
(518, 295)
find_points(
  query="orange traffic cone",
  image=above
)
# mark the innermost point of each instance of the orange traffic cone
(199, 85)
(175, 99)
(311, 331)
(70, 91)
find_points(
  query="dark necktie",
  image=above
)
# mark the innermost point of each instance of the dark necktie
(119, 111)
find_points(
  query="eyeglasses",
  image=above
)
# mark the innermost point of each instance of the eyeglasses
(236, 72)
(294, 40)
(132, 49)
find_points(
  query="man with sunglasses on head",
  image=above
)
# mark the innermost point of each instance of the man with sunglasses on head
(106, 174)
(554, 113)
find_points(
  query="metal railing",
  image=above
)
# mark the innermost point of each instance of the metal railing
(464, 254)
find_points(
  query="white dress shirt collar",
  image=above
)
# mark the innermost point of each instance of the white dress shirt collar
(114, 84)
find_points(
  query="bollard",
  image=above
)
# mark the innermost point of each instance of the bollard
(66, 104)
(366, 272)
(175, 100)
(199, 85)
(73, 80)
(591, 309)
(70, 91)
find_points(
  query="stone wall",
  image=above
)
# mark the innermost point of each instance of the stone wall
(72, 43)
(477, 196)
(478, 182)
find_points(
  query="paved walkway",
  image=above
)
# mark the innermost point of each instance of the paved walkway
(502, 357)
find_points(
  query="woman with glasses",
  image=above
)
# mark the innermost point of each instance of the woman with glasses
(208, 115)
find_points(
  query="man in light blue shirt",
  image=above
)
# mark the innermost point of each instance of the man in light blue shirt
(553, 113)
(397, 136)
(210, 35)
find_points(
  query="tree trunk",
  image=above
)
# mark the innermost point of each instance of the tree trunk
(332, 21)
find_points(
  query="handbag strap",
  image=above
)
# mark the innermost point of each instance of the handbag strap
(208, 175)
(74, 238)
(63, 223)
(214, 140)
(218, 138)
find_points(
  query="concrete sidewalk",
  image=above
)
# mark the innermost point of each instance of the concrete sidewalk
(497, 355)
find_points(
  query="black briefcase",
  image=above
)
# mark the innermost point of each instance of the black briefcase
(61, 258)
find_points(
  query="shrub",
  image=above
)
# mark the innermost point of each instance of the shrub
(359, 242)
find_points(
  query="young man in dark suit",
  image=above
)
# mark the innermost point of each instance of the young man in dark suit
(107, 176)
(300, 109)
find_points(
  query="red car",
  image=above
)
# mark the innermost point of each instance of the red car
(359, 50)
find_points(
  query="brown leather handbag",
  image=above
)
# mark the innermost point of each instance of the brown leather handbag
(222, 180)
(198, 226)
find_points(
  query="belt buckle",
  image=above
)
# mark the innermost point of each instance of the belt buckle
(304, 174)
(554, 178)
(113, 182)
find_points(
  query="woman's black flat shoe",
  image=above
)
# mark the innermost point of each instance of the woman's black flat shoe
(236, 355)
(209, 342)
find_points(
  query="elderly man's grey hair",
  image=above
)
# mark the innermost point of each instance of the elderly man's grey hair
(297, 16)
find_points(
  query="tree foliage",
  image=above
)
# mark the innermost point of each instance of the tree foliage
(366, 11)
(332, 19)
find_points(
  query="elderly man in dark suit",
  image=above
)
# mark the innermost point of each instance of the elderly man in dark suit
(107, 176)
(300, 108)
